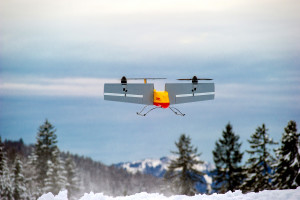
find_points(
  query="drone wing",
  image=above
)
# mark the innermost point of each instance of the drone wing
(139, 93)
(189, 92)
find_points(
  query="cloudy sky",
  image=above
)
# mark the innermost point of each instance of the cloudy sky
(55, 57)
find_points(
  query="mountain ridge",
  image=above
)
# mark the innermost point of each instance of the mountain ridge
(156, 167)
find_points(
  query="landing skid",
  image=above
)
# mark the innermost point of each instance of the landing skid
(176, 111)
(140, 113)
(173, 109)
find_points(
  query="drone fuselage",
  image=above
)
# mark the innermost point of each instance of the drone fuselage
(161, 99)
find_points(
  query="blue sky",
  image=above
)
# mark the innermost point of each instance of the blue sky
(56, 56)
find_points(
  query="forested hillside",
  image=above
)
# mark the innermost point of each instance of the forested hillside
(28, 171)
(92, 175)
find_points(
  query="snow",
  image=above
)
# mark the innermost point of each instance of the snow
(63, 195)
(291, 194)
(209, 181)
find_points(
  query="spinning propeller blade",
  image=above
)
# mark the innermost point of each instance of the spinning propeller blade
(144, 78)
(195, 79)
(189, 79)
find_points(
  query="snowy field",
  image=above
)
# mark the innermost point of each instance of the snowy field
(264, 195)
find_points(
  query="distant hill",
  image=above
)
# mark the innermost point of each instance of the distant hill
(155, 167)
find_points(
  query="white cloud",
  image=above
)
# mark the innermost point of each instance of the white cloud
(263, 94)
(90, 87)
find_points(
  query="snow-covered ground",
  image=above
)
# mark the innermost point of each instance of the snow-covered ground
(264, 195)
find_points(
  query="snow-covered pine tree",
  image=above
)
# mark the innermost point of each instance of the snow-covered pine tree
(56, 175)
(32, 189)
(60, 171)
(71, 177)
(227, 157)
(181, 172)
(288, 163)
(19, 190)
(45, 150)
(50, 180)
(258, 169)
(6, 186)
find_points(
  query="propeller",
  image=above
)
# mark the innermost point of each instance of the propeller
(144, 78)
(124, 79)
(195, 79)
(189, 79)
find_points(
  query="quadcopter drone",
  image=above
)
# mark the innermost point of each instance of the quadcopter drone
(144, 93)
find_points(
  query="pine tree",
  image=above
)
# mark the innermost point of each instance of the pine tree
(50, 180)
(55, 180)
(288, 165)
(6, 187)
(181, 171)
(45, 150)
(227, 157)
(32, 188)
(71, 176)
(258, 166)
(19, 191)
(59, 171)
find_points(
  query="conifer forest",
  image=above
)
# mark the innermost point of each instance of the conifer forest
(28, 171)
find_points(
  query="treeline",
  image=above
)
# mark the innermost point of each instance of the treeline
(27, 172)
(261, 171)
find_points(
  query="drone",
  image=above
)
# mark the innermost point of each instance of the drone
(144, 93)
